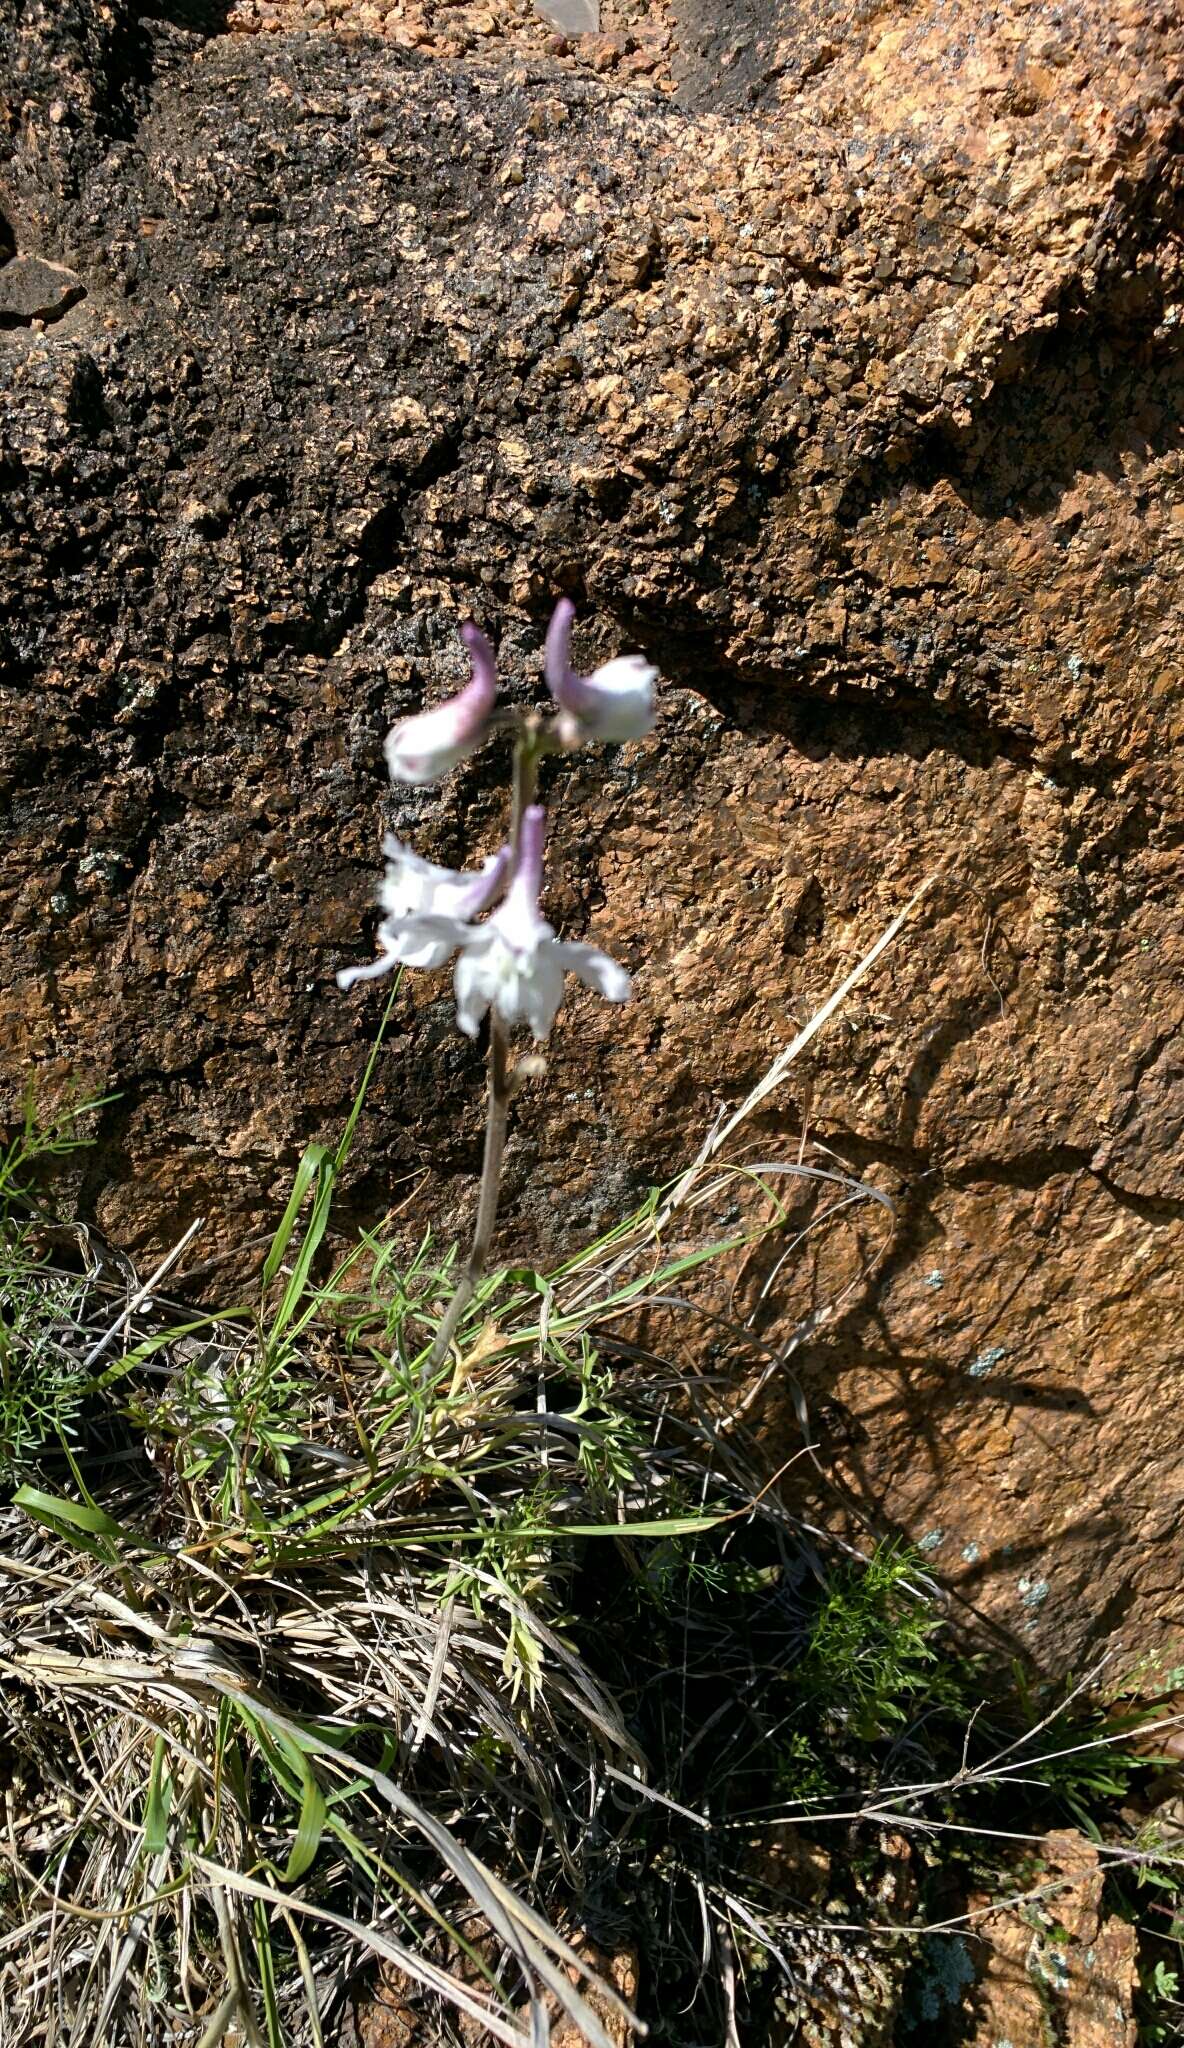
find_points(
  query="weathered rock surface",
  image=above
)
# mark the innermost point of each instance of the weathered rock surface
(1058, 1969)
(31, 289)
(847, 383)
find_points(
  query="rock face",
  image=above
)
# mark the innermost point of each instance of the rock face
(33, 290)
(1057, 1967)
(847, 382)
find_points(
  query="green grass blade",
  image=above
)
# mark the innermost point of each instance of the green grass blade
(322, 1168)
(158, 1803)
(318, 1223)
(351, 1122)
(313, 1813)
(677, 1525)
(265, 1958)
(159, 1342)
(286, 1757)
(51, 1510)
(310, 1166)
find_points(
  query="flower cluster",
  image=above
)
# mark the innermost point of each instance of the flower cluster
(511, 962)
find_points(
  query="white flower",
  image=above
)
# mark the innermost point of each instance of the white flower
(424, 906)
(515, 965)
(616, 702)
(424, 748)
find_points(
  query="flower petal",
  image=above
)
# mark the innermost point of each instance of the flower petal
(519, 921)
(556, 653)
(424, 748)
(412, 948)
(483, 889)
(421, 941)
(618, 699)
(413, 887)
(346, 976)
(410, 884)
(541, 992)
(482, 657)
(474, 990)
(442, 934)
(595, 969)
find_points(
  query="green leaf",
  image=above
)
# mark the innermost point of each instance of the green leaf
(50, 1509)
(158, 1803)
(313, 1813)
(523, 1276)
(311, 1164)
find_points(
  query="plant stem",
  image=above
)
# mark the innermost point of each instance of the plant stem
(496, 1121)
(526, 776)
(501, 1089)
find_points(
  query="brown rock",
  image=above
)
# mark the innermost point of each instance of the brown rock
(1057, 1970)
(875, 451)
(31, 289)
(620, 1972)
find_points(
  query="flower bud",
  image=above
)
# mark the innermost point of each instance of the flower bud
(616, 702)
(424, 748)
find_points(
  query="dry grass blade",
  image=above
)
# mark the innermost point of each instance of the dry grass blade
(183, 1686)
(372, 1937)
(302, 1669)
(142, 1295)
(316, 1657)
(714, 1143)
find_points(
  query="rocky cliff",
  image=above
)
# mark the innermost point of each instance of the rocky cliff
(832, 355)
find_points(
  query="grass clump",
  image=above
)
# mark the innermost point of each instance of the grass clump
(43, 1377)
(42, 1382)
(320, 1653)
(289, 1635)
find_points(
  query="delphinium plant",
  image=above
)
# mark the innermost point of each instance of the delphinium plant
(508, 964)
(367, 1651)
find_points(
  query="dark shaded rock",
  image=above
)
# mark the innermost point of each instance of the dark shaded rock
(729, 49)
(860, 412)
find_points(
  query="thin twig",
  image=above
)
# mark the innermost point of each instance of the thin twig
(142, 1294)
(781, 1065)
